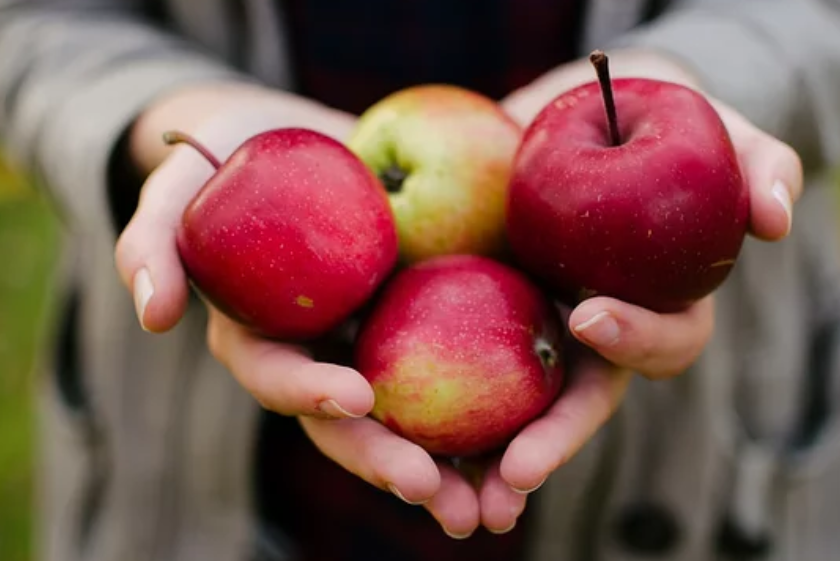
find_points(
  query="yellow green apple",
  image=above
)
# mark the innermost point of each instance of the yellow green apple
(444, 154)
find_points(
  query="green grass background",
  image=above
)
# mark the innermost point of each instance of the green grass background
(29, 241)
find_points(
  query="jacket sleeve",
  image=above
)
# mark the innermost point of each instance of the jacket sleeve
(775, 61)
(73, 76)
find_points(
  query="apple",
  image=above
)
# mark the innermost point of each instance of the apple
(290, 236)
(444, 154)
(461, 351)
(647, 205)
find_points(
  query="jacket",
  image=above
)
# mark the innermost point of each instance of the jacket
(146, 440)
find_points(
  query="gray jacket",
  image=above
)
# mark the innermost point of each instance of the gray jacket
(148, 441)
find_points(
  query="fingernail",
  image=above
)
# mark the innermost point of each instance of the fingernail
(396, 493)
(505, 531)
(600, 330)
(528, 491)
(782, 194)
(143, 291)
(455, 536)
(333, 409)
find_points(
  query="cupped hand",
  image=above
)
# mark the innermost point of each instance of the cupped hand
(625, 339)
(330, 400)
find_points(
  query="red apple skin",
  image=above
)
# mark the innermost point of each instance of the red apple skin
(461, 352)
(657, 221)
(290, 236)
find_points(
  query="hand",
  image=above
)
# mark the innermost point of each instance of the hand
(330, 400)
(625, 338)
(221, 117)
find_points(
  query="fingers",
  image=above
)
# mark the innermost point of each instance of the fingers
(652, 344)
(282, 378)
(773, 172)
(455, 506)
(501, 506)
(146, 253)
(549, 441)
(372, 452)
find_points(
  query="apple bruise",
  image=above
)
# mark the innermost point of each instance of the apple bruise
(304, 301)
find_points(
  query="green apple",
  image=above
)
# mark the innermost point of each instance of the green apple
(444, 154)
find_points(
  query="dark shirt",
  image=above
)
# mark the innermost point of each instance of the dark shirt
(349, 54)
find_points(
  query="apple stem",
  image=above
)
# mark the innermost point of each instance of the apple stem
(176, 137)
(393, 178)
(602, 67)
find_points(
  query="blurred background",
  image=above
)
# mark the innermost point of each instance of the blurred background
(29, 244)
(30, 238)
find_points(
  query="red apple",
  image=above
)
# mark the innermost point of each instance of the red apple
(444, 153)
(647, 205)
(290, 236)
(461, 352)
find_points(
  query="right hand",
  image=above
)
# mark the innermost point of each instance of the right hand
(331, 401)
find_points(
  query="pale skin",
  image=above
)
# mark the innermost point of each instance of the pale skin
(284, 379)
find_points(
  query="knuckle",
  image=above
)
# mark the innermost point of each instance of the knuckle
(790, 155)
(258, 383)
(219, 348)
(646, 354)
(275, 390)
(128, 248)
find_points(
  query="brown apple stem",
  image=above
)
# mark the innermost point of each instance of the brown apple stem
(176, 137)
(393, 178)
(602, 67)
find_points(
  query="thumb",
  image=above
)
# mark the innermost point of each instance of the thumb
(147, 254)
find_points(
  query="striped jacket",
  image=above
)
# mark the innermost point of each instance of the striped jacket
(148, 443)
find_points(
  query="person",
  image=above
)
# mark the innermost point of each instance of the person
(700, 435)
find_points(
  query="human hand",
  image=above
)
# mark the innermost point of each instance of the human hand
(286, 379)
(329, 399)
(622, 338)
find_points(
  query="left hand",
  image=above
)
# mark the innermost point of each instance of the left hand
(625, 338)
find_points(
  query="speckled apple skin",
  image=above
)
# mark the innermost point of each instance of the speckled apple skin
(457, 147)
(450, 349)
(291, 236)
(658, 221)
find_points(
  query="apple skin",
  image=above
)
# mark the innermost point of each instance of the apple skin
(657, 221)
(290, 236)
(461, 352)
(456, 148)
